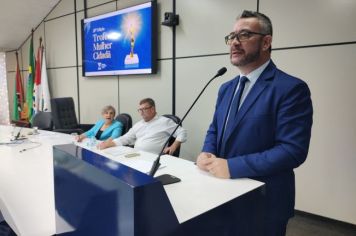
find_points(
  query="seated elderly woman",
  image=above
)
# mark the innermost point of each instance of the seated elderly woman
(104, 129)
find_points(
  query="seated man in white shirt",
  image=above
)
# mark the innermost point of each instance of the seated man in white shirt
(150, 133)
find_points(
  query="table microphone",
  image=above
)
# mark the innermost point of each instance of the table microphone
(17, 136)
(166, 178)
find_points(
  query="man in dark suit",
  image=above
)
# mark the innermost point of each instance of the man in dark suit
(262, 122)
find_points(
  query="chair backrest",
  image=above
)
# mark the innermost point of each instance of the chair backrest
(63, 113)
(176, 119)
(43, 120)
(126, 121)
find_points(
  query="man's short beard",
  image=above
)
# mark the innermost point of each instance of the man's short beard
(252, 57)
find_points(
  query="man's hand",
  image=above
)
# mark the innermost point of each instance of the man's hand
(171, 149)
(204, 159)
(106, 144)
(216, 166)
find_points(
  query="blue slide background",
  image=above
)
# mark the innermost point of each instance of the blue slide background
(121, 47)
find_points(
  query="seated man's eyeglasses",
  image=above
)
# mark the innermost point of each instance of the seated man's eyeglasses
(241, 36)
(143, 109)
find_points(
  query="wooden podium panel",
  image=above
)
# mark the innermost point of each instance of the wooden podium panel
(98, 196)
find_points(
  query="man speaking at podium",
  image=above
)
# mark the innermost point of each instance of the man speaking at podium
(262, 122)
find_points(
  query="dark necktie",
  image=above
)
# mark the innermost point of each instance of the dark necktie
(235, 104)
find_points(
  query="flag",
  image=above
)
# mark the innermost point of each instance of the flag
(45, 98)
(18, 94)
(37, 83)
(29, 87)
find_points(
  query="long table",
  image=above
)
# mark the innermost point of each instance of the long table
(27, 182)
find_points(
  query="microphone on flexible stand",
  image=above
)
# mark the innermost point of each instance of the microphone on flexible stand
(17, 136)
(166, 178)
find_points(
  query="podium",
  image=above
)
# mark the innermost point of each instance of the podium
(95, 195)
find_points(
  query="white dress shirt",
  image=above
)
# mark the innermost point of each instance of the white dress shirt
(252, 78)
(150, 136)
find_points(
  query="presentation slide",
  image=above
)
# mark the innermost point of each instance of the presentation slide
(119, 42)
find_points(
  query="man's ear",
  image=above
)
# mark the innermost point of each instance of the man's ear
(267, 42)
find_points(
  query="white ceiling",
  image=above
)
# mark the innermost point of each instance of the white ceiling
(18, 17)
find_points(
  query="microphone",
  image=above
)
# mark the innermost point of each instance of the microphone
(17, 136)
(166, 178)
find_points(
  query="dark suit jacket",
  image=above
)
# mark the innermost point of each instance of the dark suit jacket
(270, 137)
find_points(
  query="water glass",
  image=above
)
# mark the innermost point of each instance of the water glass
(74, 137)
(92, 142)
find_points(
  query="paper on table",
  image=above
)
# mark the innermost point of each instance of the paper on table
(118, 150)
(120, 154)
(140, 165)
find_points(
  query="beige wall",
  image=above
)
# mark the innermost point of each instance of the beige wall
(326, 181)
